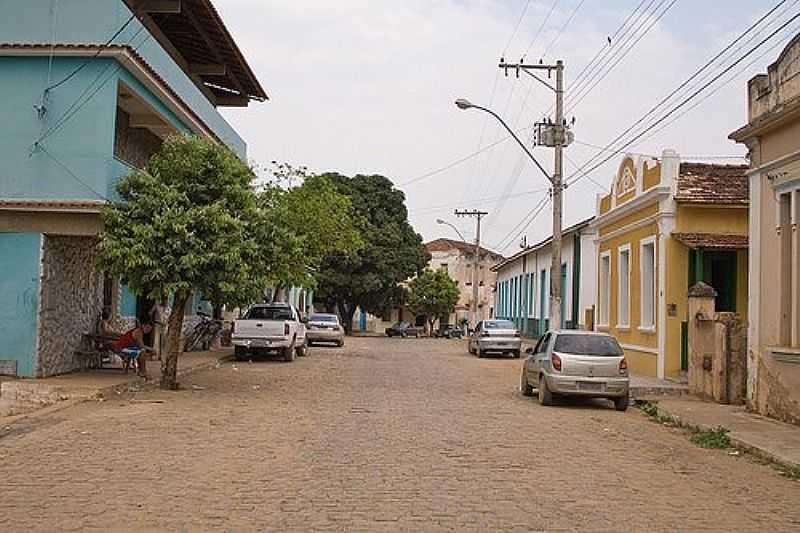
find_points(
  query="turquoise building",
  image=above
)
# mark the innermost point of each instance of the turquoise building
(88, 91)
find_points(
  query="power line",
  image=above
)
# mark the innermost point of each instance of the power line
(541, 28)
(454, 163)
(563, 28)
(441, 207)
(596, 81)
(71, 173)
(656, 156)
(516, 28)
(93, 57)
(616, 43)
(686, 100)
(527, 221)
(574, 164)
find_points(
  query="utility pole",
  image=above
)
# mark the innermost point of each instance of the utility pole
(476, 262)
(554, 134)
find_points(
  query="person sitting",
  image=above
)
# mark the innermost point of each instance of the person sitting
(105, 328)
(130, 347)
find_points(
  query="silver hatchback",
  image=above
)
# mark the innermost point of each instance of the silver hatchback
(576, 363)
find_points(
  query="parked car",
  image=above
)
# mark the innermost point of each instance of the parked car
(324, 327)
(269, 328)
(576, 363)
(495, 336)
(403, 329)
(449, 331)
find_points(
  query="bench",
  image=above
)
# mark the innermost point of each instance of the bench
(95, 352)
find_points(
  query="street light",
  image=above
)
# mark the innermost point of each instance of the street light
(444, 222)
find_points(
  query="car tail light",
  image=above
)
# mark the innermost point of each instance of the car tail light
(485, 334)
(556, 361)
(286, 328)
(623, 366)
(516, 334)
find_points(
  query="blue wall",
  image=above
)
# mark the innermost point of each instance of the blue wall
(19, 294)
(95, 21)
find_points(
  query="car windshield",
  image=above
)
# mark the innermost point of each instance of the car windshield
(324, 318)
(594, 345)
(499, 324)
(269, 313)
(400, 325)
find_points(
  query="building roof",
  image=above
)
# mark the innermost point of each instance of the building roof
(541, 244)
(446, 245)
(44, 204)
(712, 241)
(198, 37)
(116, 50)
(713, 184)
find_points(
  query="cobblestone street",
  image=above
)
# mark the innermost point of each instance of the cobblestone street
(385, 434)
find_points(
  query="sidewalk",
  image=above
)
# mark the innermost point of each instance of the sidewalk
(20, 397)
(768, 438)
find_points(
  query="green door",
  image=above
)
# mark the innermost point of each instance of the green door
(542, 295)
(563, 298)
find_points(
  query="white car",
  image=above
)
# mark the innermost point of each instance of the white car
(324, 327)
(269, 328)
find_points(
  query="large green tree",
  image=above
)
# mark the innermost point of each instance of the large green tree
(186, 222)
(433, 294)
(392, 251)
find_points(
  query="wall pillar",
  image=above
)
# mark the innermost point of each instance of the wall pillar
(703, 376)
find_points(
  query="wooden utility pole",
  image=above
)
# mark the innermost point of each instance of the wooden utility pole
(476, 260)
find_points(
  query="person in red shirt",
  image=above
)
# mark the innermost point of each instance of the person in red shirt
(131, 345)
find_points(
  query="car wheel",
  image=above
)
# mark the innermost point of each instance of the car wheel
(240, 353)
(404, 335)
(545, 396)
(524, 387)
(480, 353)
(340, 344)
(515, 354)
(621, 403)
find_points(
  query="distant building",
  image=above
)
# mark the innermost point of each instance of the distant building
(772, 136)
(523, 283)
(457, 258)
(78, 115)
(664, 226)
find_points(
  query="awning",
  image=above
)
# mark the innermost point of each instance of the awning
(712, 241)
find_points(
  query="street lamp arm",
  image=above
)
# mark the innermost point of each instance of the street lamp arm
(514, 135)
(452, 226)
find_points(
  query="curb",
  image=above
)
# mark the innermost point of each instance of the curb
(736, 442)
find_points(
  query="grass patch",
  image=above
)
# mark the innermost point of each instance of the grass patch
(651, 410)
(716, 438)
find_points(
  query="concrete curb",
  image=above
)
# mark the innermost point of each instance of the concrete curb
(107, 392)
(737, 442)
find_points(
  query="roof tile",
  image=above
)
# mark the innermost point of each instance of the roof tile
(713, 184)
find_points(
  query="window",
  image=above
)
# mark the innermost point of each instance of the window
(443, 267)
(270, 313)
(498, 324)
(624, 287)
(594, 345)
(647, 266)
(604, 310)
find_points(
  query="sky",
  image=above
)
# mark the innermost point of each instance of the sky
(367, 87)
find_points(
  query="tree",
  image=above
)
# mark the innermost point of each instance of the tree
(392, 251)
(186, 222)
(433, 294)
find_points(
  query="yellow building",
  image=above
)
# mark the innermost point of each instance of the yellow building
(664, 226)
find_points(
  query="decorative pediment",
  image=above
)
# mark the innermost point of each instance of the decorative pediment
(626, 178)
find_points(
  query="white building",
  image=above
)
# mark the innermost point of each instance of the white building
(522, 291)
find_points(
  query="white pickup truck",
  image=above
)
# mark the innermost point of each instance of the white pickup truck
(269, 328)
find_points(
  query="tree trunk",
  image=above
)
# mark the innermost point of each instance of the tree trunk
(169, 364)
(347, 312)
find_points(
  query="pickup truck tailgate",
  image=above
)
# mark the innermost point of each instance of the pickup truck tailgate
(259, 328)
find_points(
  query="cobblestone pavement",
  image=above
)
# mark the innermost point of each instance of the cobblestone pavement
(386, 434)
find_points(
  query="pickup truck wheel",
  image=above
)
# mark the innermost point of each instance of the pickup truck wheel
(404, 335)
(239, 353)
(302, 351)
(289, 353)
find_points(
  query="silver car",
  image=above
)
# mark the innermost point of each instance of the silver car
(324, 327)
(495, 336)
(576, 363)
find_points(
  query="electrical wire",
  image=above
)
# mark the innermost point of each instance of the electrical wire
(516, 28)
(655, 156)
(481, 201)
(563, 28)
(454, 163)
(71, 173)
(93, 57)
(684, 101)
(597, 80)
(524, 223)
(541, 28)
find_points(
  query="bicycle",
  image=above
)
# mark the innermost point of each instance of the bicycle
(203, 333)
